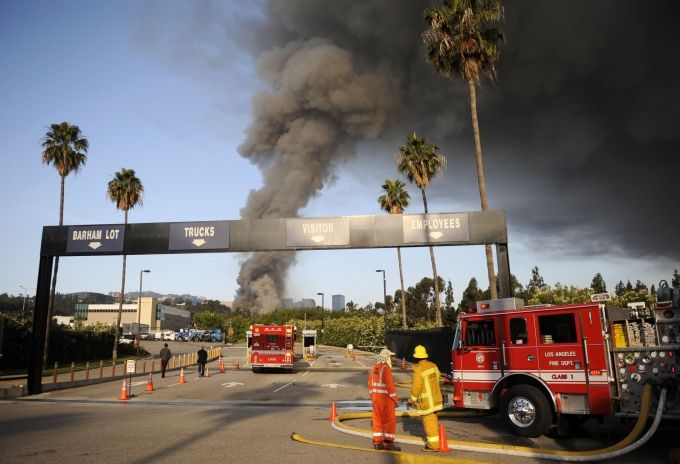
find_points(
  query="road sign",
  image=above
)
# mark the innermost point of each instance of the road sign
(207, 235)
(95, 239)
(433, 228)
(130, 366)
(315, 232)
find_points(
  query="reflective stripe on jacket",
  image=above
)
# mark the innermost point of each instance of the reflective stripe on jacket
(381, 382)
(425, 392)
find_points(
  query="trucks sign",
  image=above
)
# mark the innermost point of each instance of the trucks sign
(433, 228)
(199, 235)
(95, 239)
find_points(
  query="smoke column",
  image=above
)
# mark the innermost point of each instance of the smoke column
(305, 126)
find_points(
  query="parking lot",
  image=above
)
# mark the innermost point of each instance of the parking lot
(251, 416)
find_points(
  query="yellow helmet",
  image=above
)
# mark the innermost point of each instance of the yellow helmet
(420, 352)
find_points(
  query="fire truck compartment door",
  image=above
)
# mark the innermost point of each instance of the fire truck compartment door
(521, 352)
(561, 359)
(480, 356)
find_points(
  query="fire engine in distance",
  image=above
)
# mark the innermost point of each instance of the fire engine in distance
(272, 346)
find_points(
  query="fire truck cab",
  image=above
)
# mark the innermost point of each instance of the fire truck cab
(538, 364)
(272, 346)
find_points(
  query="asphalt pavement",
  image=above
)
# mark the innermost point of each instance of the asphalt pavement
(243, 416)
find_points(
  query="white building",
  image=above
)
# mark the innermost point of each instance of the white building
(152, 314)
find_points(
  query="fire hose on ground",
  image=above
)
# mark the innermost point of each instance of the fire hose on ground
(631, 442)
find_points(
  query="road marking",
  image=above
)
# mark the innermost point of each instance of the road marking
(289, 383)
(332, 385)
(231, 384)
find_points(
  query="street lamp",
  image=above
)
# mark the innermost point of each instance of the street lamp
(322, 311)
(23, 307)
(139, 305)
(384, 296)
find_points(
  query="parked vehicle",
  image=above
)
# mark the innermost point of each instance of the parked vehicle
(540, 364)
(214, 335)
(272, 346)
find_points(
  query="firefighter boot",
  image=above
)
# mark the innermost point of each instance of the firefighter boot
(388, 445)
(377, 446)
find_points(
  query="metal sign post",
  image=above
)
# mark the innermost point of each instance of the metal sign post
(130, 368)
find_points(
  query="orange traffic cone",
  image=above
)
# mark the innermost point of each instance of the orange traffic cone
(443, 442)
(207, 371)
(149, 384)
(221, 366)
(403, 363)
(123, 392)
(181, 376)
(334, 413)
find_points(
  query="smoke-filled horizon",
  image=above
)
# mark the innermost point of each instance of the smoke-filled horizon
(586, 104)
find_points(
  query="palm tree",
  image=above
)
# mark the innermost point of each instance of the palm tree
(420, 162)
(126, 191)
(394, 201)
(459, 42)
(65, 148)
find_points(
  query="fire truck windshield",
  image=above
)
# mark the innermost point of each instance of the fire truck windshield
(457, 337)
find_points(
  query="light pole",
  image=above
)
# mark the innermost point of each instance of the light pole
(139, 305)
(322, 311)
(23, 306)
(384, 296)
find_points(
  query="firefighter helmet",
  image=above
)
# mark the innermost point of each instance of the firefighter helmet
(420, 352)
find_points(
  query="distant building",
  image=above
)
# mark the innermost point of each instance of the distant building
(287, 303)
(154, 315)
(64, 320)
(306, 303)
(338, 303)
(92, 298)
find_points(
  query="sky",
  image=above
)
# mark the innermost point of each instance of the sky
(297, 108)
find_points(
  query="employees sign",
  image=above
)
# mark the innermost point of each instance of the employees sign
(433, 228)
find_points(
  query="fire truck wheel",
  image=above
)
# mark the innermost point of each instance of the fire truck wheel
(526, 412)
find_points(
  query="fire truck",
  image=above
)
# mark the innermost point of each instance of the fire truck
(272, 346)
(544, 365)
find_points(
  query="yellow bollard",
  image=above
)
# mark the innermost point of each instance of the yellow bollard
(73, 370)
(87, 370)
(101, 369)
(56, 371)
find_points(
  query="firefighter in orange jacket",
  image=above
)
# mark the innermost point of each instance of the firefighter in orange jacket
(426, 396)
(384, 399)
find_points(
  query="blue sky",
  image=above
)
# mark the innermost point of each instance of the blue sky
(154, 90)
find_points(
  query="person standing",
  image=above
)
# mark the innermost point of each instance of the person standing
(426, 396)
(384, 400)
(201, 361)
(165, 356)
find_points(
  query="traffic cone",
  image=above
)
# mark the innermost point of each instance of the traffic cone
(207, 371)
(149, 384)
(443, 442)
(403, 363)
(181, 376)
(334, 413)
(221, 366)
(123, 392)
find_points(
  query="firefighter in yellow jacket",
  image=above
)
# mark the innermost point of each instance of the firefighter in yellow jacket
(426, 396)
(384, 399)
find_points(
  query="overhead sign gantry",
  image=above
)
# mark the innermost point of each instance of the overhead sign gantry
(284, 234)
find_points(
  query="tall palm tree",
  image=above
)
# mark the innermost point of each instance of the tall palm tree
(459, 41)
(420, 162)
(394, 201)
(65, 148)
(126, 191)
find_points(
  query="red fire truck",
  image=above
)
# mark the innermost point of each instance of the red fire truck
(539, 365)
(272, 346)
